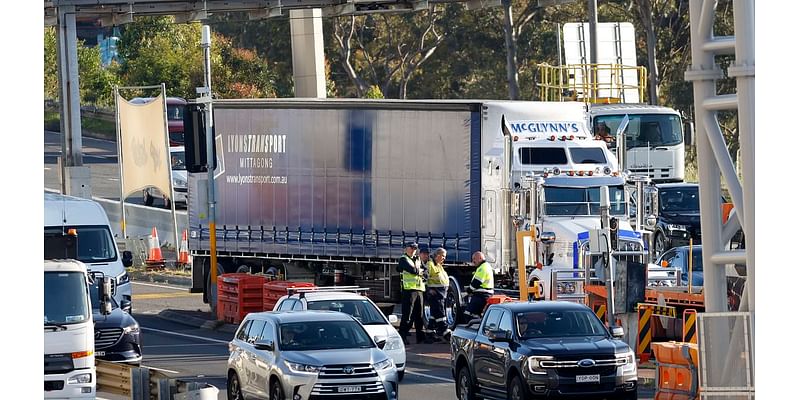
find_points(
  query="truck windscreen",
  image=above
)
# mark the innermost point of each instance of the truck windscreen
(65, 298)
(645, 129)
(95, 243)
(582, 201)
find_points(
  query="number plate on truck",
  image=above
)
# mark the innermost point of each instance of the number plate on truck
(587, 378)
(349, 389)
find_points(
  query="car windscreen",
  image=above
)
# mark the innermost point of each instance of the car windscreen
(363, 310)
(65, 298)
(679, 199)
(95, 243)
(323, 335)
(548, 324)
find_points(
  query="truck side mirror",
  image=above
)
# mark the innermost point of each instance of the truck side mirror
(127, 258)
(105, 296)
(688, 133)
(617, 332)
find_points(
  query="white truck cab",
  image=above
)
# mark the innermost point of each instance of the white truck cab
(96, 246)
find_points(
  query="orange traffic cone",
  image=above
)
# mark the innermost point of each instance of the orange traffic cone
(154, 257)
(183, 255)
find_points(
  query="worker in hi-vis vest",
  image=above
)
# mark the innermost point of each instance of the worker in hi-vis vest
(481, 287)
(436, 291)
(411, 295)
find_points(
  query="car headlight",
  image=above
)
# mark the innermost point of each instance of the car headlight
(627, 361)
(123, 279)
(385, 364)
(302, 368)
(675, 227)
(535, 364)
(131, 329)
(82, 378)
(394, 343)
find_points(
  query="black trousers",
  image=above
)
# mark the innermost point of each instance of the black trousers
(412, 305)
(476, 305)
(435, 298)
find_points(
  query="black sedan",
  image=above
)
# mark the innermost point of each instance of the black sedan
(678, 216)
(116, 335)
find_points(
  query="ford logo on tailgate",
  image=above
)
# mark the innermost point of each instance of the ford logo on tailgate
(586, 363)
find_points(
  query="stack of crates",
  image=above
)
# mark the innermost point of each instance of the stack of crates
(273, 291)
(237, 295)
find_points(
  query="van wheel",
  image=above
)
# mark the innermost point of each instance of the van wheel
(465, 389)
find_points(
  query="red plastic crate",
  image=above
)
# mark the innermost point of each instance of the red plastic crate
(243, 289)
(274, 290)
(232, 312)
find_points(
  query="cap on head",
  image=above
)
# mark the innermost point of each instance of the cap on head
(412, 245)
(424, 249)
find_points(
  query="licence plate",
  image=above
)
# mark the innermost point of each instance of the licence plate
(100, 353)
(587, 378)
(349, 389)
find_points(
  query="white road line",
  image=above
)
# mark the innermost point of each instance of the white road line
(160, 286)
(164, 370)
(430, 376)
(185, 335)
(150, 346)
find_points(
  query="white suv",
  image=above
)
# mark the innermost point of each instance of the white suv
(347, 300)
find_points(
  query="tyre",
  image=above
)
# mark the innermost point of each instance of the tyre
(452, 305)
(516, 390)
(660, 244)
(276, 391)
(401, 375)
(234, 387)
(147, 198)
(465, 389)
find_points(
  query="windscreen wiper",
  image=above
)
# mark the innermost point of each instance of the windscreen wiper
(55, 327)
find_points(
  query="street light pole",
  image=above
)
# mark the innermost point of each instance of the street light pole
(205, 99)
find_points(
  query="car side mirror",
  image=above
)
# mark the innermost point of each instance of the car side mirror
(380, 341)
(268, 345)
(617, 332)
(127, 258)
(393, 319)
(499, 336)
(125, 305)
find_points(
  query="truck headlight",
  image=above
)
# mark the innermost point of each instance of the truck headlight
(535, 364)
(381, 365)
(627, 361)
(302, 368)
(676, 227)
(394, 343)
(82, 378)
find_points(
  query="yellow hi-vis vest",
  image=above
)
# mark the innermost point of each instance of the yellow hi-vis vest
(412, 281)
(485, 274)
(437, 277)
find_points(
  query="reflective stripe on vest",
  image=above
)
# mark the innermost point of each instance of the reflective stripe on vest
(411, 281)
(437, 277)
(485, 274)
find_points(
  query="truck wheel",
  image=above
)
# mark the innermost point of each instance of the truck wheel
(465, 389)
(516, 390)
(660, 244)
(452, 304)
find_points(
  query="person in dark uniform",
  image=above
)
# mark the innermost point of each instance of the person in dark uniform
(411, 295)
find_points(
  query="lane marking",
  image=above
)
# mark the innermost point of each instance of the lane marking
(430, 376)
(163, 295)
(150, 346)
(159, 286)
(186, 335)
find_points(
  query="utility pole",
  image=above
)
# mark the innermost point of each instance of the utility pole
(592, 10)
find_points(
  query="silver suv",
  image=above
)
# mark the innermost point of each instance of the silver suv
(309, 355)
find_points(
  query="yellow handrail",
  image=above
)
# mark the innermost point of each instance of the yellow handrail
(590, 83)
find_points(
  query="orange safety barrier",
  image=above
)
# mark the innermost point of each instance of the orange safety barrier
(154, 257)
(238, 294)
(676, 369)
(690, 326)
(726, 211)
(274, 290)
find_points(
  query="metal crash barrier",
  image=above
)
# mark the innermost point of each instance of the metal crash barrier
(142, 383)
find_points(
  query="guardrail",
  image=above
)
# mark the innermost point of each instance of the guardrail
(142, 383)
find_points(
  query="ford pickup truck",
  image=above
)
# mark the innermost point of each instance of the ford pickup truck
(541, 349)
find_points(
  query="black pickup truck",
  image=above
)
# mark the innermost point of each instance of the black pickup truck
(541, 349)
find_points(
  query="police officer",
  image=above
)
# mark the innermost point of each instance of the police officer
(481, 287)
(438, 281)
(411, 295)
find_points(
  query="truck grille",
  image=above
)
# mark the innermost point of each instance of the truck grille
(58, 363)
(53, 385)
(106, 337)
(569, 368)
(332, 378)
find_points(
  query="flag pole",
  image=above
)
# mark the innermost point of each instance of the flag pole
(119, 163)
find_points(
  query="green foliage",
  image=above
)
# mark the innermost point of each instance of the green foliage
(374, 92)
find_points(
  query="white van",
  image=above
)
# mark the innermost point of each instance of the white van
(96, 246)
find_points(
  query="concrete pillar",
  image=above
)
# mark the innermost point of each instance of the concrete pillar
(308, 56)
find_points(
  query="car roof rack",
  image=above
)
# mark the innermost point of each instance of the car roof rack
(303, 290)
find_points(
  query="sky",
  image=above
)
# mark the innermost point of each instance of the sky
(776, 219)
